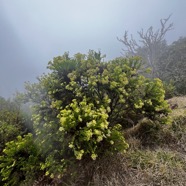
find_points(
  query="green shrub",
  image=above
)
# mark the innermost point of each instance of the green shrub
(12, 121)
(82, 106)
(169, 89)
(19, 162)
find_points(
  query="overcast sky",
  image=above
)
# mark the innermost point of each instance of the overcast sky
(32, 32)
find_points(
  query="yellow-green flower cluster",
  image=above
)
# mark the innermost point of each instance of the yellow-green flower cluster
(79, 154)
(139, 104)
(89, 123)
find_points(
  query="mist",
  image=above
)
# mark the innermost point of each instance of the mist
(33, 32)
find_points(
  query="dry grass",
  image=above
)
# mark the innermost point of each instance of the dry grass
(181, 106)
(135, 168)
(181, 101)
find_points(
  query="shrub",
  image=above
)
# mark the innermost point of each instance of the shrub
(19, 162)
(169, 89)
(82, 106)
(12, 121)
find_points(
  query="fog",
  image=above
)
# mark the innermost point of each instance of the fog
(33, 32)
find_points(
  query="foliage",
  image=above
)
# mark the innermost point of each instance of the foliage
(19, 161)
(82, 106)
(88, 127)
(12, 121)
(172, 65)
(169, 89)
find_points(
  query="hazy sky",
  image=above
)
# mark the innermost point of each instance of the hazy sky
(32, 32)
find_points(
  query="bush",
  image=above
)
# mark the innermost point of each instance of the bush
(12, 121)
(20, 162)
(169, 89)
(82, 106)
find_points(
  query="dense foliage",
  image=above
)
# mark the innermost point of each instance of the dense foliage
(20, 161)
(82, 108)
(13, 121)
(172, 65)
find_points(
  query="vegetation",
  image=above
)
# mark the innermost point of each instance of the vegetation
(171, 65)
(97, 123)
(100, 123)
(13, 121)
(84, 111)
(158, 160)
(19, 162)
(167, 62)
